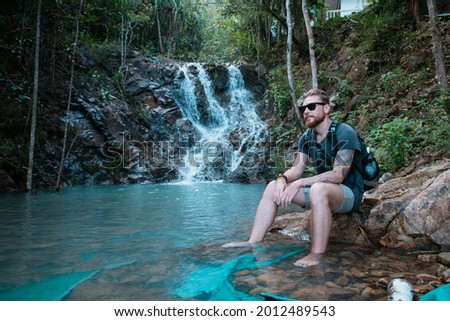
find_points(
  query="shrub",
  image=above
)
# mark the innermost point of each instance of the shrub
(393, 141)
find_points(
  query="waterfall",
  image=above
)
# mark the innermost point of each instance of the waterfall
(227, 129)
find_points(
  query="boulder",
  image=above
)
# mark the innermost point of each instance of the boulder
(6, 182)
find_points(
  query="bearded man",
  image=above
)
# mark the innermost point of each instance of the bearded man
(337, 186)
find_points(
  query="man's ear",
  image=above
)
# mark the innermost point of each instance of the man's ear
(327, 108)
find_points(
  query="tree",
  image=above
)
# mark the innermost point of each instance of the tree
(69, 100)
(280, 20)
(288, 59)
(158, 24)
(437, 48)
(309, 32)
(34, 100)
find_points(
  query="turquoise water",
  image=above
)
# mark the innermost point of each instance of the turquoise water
(137, 242)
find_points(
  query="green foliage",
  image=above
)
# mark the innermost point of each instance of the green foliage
(393, 142)
(346, 90)
(278, 162)
(379, 35)
(436, 125)
(397, 81)
(230, 33)
(279, 89)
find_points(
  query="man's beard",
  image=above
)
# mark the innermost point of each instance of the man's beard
(312, 122)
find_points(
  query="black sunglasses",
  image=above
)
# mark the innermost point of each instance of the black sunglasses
(311, 106)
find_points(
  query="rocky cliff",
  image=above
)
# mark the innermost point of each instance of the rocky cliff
(129, 127)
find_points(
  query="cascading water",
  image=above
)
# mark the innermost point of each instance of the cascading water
(225, 133)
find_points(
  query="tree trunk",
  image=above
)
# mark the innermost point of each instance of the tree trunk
(123, 46)
(69, 100)
(415, 11)
(288, 59)
(281, 21)
(437, 48)
(34, 101)
(309, 32)
(158, 25)
(122, 41)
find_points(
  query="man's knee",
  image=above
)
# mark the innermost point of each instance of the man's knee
(270, 188)
(319, 192)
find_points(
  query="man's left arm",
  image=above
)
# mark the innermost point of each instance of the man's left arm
(341, 167)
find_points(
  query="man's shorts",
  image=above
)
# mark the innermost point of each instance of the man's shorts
(346, 205)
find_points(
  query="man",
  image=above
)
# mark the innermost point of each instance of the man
(337, 186)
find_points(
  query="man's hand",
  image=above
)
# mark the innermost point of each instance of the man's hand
(280, 185)
(289, 194)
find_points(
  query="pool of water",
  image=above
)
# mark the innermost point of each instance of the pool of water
(163, 242)
(120, 242)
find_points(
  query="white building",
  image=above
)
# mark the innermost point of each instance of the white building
(344, 8)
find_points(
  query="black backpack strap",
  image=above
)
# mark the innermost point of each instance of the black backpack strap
(333, 130)
(308, 139)
(334, 125)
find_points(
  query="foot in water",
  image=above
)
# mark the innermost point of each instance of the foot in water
(238, 244)
(310, 260)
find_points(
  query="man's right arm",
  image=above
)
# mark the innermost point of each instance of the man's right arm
(298, 168)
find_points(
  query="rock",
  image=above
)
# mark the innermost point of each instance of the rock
(385, 177)
(358, 273)
(342, 281)
(424, 220)
(6, 182)
(371, 294)
(340, 293)
(426, 278)
(429, 258)
(420, 289)
(445, 276)
(444, 258)
(293, 224)
(312, 293)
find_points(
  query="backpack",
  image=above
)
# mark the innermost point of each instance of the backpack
(370, 169)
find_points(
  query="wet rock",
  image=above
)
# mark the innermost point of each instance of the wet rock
(397, 266)
(444, 258)
(420, 289)
(426, 278)
(358, 273)
(371, 294)
(429, 258)
(378, 273)
(6, 182)
(293, 224)
(382, 283)
(292, 286)
(445, 276)
(341, 293)
(342, 281)
(312, 293)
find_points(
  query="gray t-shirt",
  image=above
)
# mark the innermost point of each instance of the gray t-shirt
(322, 155)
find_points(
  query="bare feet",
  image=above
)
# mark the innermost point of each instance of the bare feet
(310, 260)
(238, 244)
